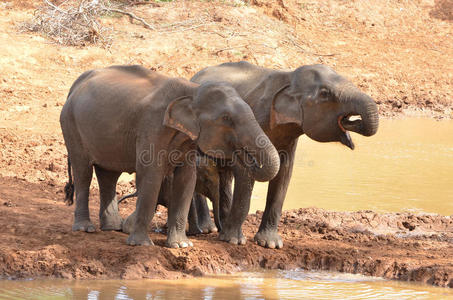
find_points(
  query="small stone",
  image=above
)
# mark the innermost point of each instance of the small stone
(197, 272)
(397, 104)
(51, 167)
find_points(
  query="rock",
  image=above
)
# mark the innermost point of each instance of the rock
(397, 104)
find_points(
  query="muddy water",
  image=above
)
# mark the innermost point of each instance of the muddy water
(407, 165)
(259, 285)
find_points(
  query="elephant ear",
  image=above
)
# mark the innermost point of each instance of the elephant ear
(180, 116)
(285, 108)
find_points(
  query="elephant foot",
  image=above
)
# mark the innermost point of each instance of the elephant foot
(84, 225)
(233, 236)
(208, 227)
(269, 239)
(139, 239)
(194, 230)
(178, 241)
(128, 224)
(198, 226)
(111, 223)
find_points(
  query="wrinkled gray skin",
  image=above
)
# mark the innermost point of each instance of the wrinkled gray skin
(207, 184)
(130, 119)
(312, 100)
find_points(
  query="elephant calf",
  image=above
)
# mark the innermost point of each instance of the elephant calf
(207, 185)
(130, 119)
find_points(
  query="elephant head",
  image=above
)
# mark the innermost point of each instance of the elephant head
(223, 125)
(322, 103)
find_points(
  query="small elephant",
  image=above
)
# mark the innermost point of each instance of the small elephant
(312, 100)
(131, 119)
(207, 184)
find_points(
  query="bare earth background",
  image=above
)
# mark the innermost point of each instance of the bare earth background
(399, 52)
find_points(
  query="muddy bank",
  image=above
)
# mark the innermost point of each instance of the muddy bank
(38, 242)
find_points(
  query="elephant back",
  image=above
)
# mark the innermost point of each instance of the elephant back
(243, 76)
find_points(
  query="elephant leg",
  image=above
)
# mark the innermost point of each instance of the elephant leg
(163, 199)
(225, 195)
(193, 218)
(204, 218)
(129, 222)
(83, 173)
(267, 235)
(232, 227)
(148, 187)
(216, 210)
(108, 211)
(184, 179)
(165, 191)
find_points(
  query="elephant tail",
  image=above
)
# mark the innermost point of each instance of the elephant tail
(127, 196)
(69, 187)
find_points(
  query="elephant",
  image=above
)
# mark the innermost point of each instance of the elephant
(312, 100)
(207, 184)
(131, 119)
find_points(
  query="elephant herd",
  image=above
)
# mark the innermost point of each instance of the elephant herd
(188, 140)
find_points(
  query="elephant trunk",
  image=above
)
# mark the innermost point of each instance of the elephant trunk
(265, 157)
(364, 106)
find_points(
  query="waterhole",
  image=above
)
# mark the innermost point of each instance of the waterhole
(406, 166)
(247, 285)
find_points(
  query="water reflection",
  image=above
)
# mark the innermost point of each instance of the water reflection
(251, 285)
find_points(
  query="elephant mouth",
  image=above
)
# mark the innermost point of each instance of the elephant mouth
(350, 122)
(347, 123)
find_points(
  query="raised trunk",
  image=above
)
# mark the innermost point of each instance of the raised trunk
(364, 106)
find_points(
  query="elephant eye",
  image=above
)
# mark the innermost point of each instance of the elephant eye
(324, 93)
(226, 118)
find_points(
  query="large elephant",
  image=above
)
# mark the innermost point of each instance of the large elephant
(312, 100)
(130, 119)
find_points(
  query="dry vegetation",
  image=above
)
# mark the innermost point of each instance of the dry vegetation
(72, 23)
(76, 23)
